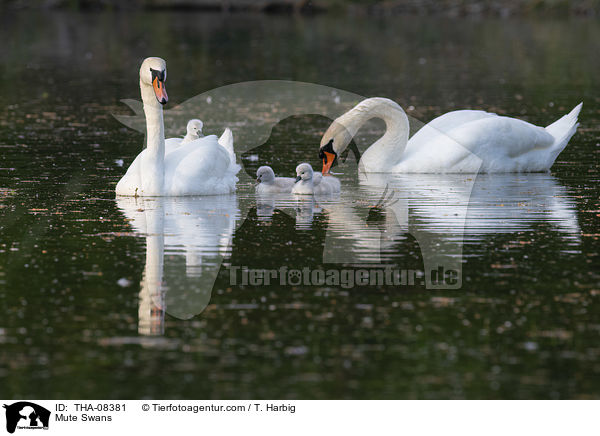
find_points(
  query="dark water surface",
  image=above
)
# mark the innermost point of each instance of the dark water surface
(114, 299)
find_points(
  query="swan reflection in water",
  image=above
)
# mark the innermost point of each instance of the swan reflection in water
(443, 211)
(302, 207)
(365, 224)
(478, 205)
(195, 233)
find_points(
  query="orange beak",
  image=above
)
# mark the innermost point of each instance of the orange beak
(328, 161)
(160, 91)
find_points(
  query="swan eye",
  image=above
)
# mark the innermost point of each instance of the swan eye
(161, 75)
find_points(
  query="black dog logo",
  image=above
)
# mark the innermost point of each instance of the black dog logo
(26, 415)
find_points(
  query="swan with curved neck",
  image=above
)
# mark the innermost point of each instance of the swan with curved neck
(464, 141)
(175, 171)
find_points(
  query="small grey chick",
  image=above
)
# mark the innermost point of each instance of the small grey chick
(268, 183)
(308, 184)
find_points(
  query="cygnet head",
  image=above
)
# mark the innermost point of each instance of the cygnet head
(304, 172)
(265, 174)
(194, 128)
(153, 72)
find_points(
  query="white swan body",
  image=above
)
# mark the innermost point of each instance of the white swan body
(307, 185)
(132, 176)
(268, 183)
(205, 166)
(464, 141)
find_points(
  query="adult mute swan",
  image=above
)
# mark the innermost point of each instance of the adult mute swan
(464, 141)
(205, 166)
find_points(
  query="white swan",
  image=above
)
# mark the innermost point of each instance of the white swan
(204, 166)
(306, 185)
(464, 141)
(268, 183)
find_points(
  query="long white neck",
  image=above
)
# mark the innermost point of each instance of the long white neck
(386, 151)
(153, 164)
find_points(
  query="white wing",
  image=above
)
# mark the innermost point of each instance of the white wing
(171, 144)
(442, 124)
(488, 143)
(201, 167)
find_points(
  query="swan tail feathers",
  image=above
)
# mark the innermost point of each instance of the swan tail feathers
(226, 140)
(564, 128)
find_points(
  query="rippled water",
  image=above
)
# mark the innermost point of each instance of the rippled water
(134, 298)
